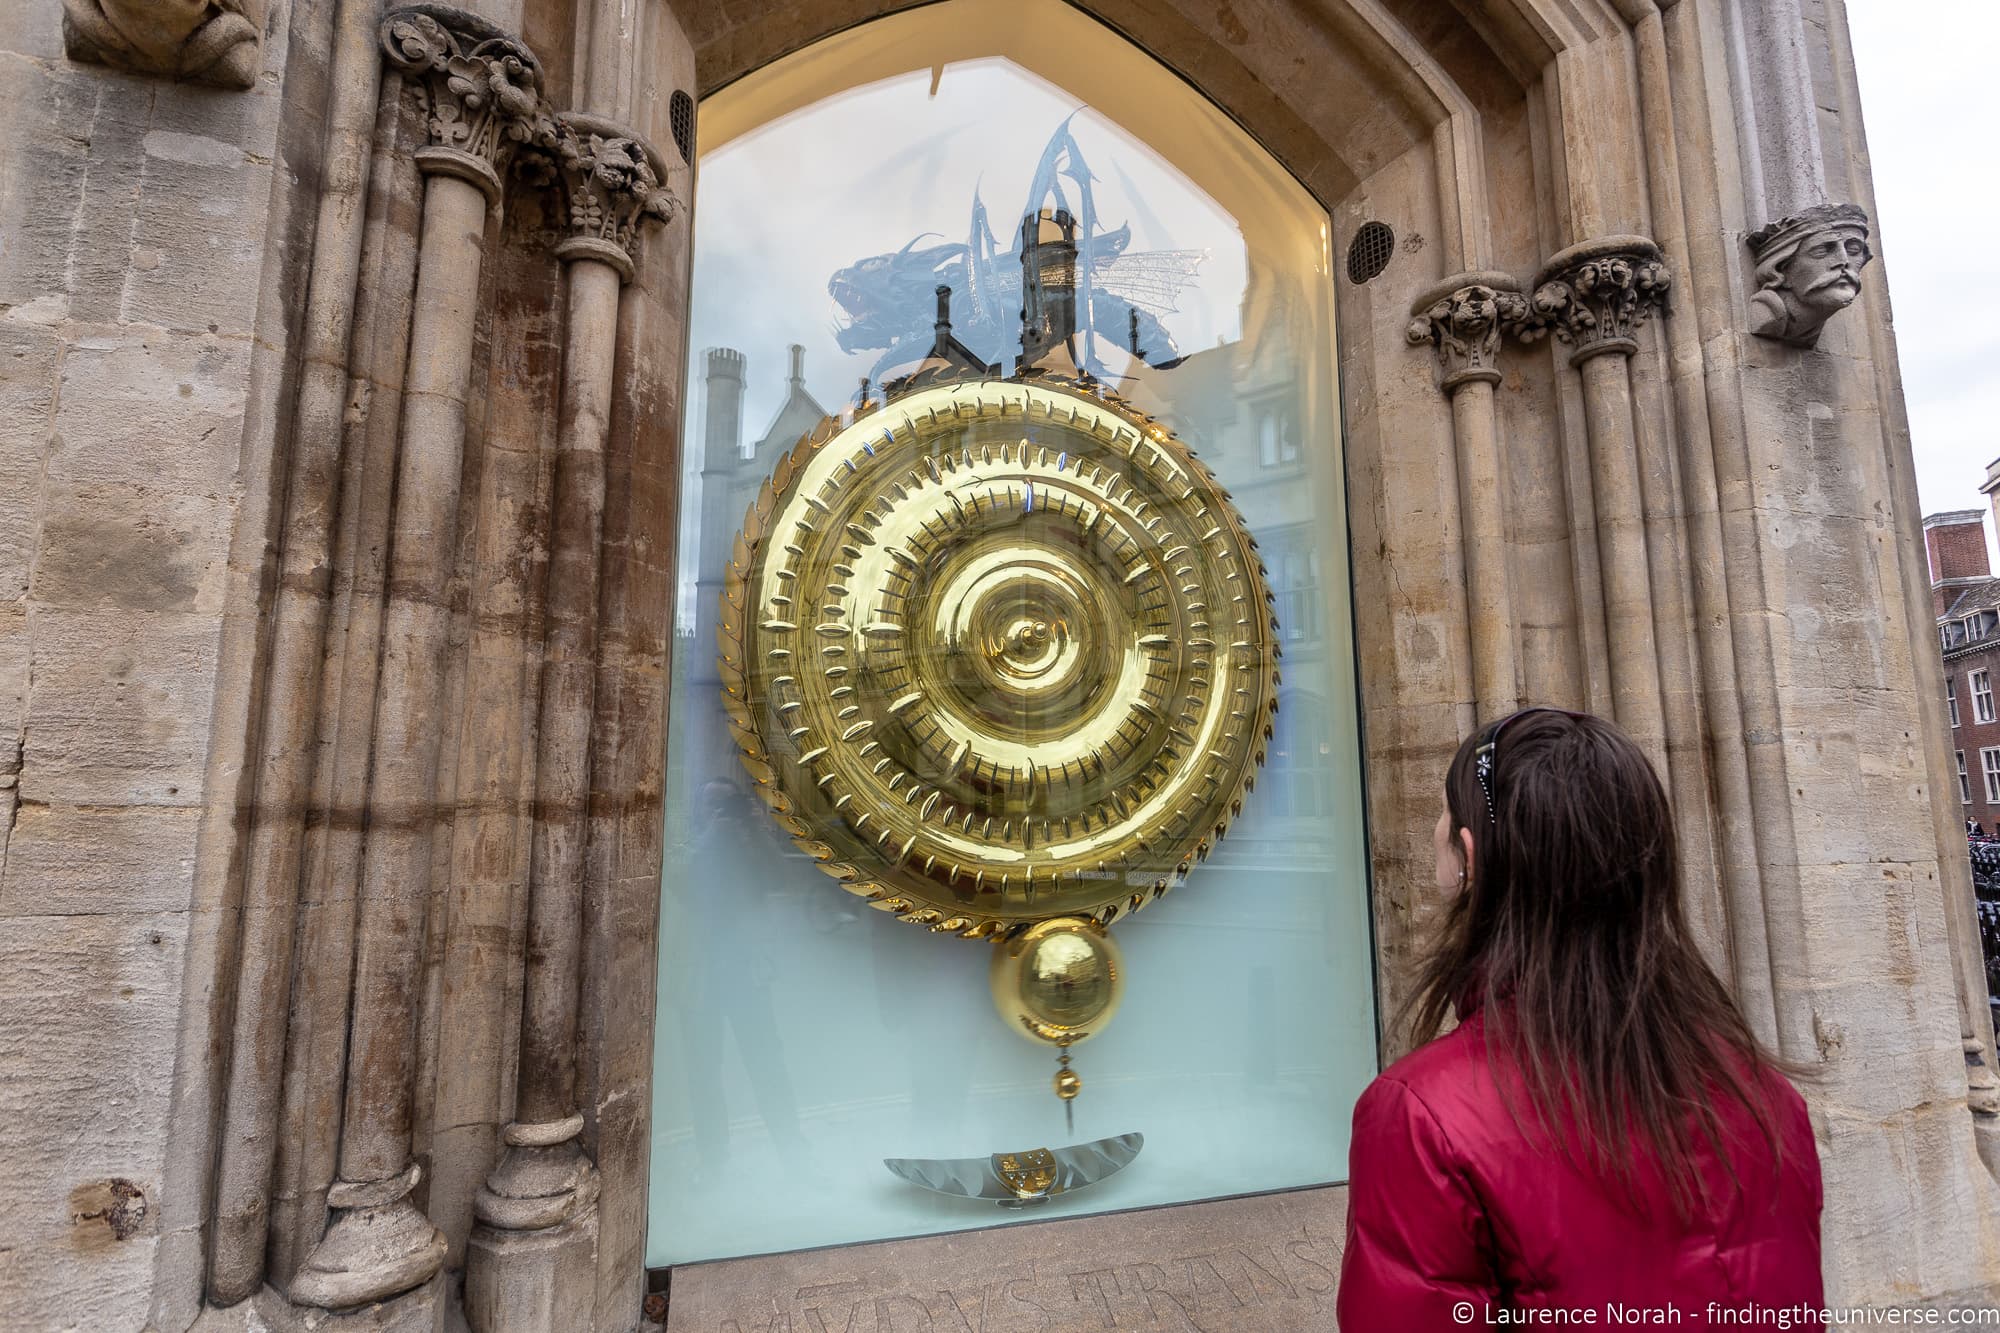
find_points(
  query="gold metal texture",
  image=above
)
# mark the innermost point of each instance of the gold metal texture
(998, 651)
(1029, 1174)
(1059, 981)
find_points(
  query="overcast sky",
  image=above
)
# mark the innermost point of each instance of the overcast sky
(1926, 69)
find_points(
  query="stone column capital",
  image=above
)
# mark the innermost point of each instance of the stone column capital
(484, 88)
(1808, 270)
(1595, 295)
(611, 182)
(1463, 317)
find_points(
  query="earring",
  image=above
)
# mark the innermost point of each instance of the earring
(1461, 879)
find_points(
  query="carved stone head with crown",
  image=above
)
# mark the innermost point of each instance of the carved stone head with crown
(1808, 270)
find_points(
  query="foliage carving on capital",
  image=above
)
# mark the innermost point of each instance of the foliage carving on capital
(1595, 296)
(483, 86)
(1464, 324)
(203, 41)
(611, 182)
(1808, 270)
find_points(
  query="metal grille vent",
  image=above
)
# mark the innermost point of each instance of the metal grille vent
(680, 117)
(1370, 251)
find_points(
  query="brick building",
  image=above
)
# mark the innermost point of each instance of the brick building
(1966, 598)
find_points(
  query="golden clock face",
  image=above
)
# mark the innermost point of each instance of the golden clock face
(998, 651)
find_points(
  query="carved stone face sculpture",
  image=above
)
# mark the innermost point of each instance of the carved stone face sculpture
(1474, 310)
(208, 41)
(1808, 270)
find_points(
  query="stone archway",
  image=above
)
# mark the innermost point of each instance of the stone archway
(376, 689)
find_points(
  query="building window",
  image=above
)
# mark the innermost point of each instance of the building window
(1982, 697)
(1964, 782)
(1951, 698)
(760, 1079)
(1277, 438)
(1989, 761)
(1298, 595)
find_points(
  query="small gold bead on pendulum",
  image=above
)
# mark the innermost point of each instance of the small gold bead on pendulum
(1067, 1086)
(1067, 1082)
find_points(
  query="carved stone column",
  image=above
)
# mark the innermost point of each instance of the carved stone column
(252, 1123)
(483, 89)
(1594, 296)
(1463, 317)
(531, 1263)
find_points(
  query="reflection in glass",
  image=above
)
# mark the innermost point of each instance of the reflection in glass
(802, 1037)
(1118, 292)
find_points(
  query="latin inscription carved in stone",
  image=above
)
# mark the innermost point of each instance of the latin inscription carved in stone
(1267, 1264)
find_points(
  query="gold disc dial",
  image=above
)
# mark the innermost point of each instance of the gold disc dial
(998, 651)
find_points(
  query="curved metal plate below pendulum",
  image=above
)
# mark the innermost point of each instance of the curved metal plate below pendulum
(1020, 1179)
(999, 651)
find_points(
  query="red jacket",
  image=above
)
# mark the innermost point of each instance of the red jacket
(1456, 1219)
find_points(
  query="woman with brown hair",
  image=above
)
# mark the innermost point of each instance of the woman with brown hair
(1601, 1130)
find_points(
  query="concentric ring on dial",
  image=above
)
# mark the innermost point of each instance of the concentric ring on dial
(999, 651)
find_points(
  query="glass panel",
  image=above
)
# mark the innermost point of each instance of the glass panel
(803, 1038)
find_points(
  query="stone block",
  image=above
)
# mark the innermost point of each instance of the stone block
(86, 1063)
(532, 1281)
(250, 120)
(153, 409)
(29, 357)
(1265, 1264)
(63, 860)
(1886, 1046)
(424, 1310)
(1872, 919)
(1862, 785)
(69, 165)
(115, 547)
(626, 1005)
(1954, 1197)
(82, 1282)
(196, 249)
(119, 708)
(32, 28)
(15, 655)
(461, 1155)
(1871, 1256)
(621, 1152)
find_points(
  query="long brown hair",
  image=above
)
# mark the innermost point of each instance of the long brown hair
(1571, 936)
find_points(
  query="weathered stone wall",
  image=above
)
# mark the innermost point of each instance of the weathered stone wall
(336, 538)
(148, 265)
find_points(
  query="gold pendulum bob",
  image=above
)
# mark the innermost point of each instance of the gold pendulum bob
(1059, 981)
